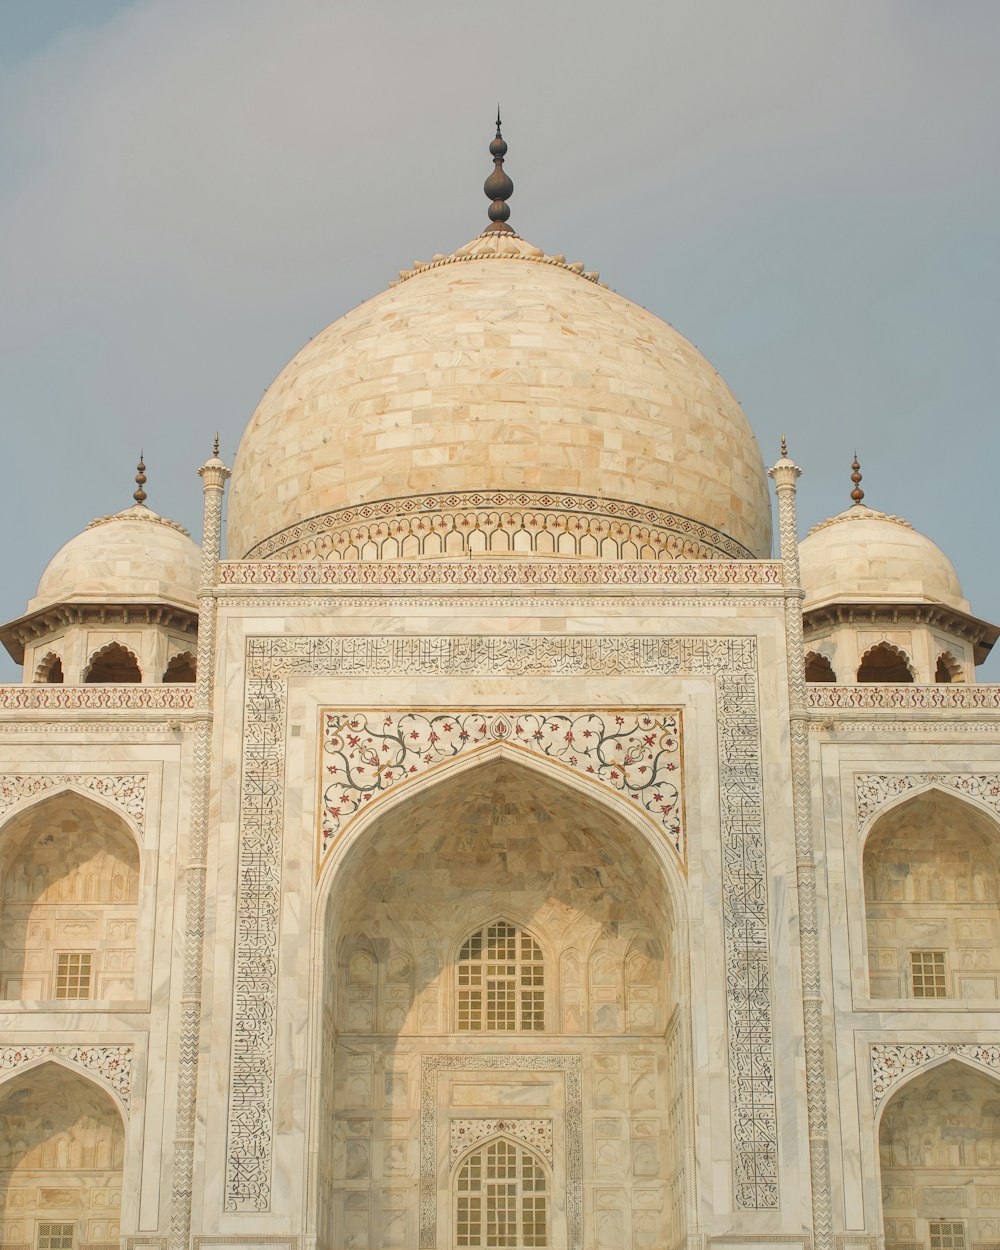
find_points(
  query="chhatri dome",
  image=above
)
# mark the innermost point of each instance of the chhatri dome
(132, 556)
(498, 400)
(866, 556)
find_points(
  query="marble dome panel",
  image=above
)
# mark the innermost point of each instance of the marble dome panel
(513, 378)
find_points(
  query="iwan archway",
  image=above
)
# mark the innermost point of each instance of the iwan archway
(504, 1045)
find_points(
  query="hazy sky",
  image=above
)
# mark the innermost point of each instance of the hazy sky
(809, 191)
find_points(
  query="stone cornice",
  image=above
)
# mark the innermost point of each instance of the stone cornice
(18, 634)
(980, 634)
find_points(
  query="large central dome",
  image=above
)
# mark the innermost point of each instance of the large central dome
(498, 401)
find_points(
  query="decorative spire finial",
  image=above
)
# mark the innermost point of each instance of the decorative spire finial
(857, 494)
(140, 477)
(215, 445)
(784, 448)
(498, 186)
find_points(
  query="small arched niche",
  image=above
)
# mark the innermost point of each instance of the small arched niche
(932, 882)
(49, 670)
(505, 881)
(69, 882)
(940, 1135)
(60, 1134)
(182, 668)
(819, 668)
(886, 664)
(947, 669)
(113, 665)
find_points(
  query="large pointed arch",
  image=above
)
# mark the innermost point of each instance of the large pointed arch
(614, 802)
(492, 778)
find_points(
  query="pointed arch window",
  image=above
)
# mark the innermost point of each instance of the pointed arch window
(501, 981)
(501, 1199)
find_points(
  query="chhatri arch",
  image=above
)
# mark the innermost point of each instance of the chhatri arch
(438, 1064)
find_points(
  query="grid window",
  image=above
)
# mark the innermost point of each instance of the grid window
(927, 974)
(501, 981)
(54, 1237)
(73, 970)
(947, 1234)
(501, 1200)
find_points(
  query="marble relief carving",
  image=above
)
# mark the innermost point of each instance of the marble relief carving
(368, 753)
(95, 698)
(947, 698)
(111, 1065)
(891, 1062)
(731, 662)
(125, 790)
(499, 522)
(503, 573)
(873, 790)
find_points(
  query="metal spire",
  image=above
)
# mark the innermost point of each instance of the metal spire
(140, 477)
(498, 186)
(857, 494)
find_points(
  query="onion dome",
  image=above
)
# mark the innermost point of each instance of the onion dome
(499, 401)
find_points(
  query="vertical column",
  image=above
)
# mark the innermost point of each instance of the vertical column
(213, 474)
(785, 473)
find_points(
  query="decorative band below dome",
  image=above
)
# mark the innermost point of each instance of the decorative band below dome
(499, 523)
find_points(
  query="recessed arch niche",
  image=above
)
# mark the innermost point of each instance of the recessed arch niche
(939, 1157)
(502, 847)
(69, 884)
(932, 884)
(62, 1145)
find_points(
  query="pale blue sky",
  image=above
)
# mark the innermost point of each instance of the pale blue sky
(806, 190)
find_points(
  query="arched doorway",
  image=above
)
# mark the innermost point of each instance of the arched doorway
(69, 883)
(932, 884)
(939, 1151)
(61, 1155)
(502, 963)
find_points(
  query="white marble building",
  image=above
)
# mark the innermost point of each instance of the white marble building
(498, 847)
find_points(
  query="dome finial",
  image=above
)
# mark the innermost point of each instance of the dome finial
(498, 186)
(215, 445)
(784, 447)
(857, 494)
(140, 477)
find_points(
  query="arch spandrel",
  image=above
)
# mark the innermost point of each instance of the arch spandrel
(634, 755)
(878, 794)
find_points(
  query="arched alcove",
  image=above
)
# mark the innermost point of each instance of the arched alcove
(182, 668)
(509, 882)
(113, 665)
(932, 883)
(939, 1154)
(49, 670)
(69, 882)
(819, 668)
(885, 663)
(947, 669)
(61, 1153)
